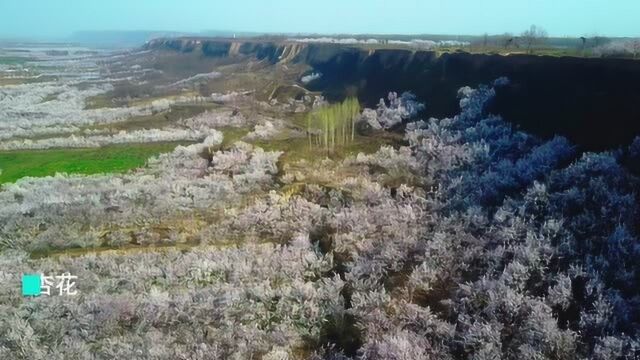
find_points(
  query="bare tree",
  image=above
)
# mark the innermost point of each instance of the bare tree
(599, 40)
(634, 46)
(506, 40)
(533, 37)
(583, 45)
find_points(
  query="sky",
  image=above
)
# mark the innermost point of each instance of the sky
(60, 18)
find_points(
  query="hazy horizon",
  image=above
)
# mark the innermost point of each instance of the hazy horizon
(49, 20)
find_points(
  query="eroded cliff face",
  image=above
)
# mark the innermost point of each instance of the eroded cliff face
(593, 102)
(261, 50)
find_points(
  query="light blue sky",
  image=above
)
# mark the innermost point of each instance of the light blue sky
(59, 18)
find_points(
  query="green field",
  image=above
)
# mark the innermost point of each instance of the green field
(117, 158)
(14, 60)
